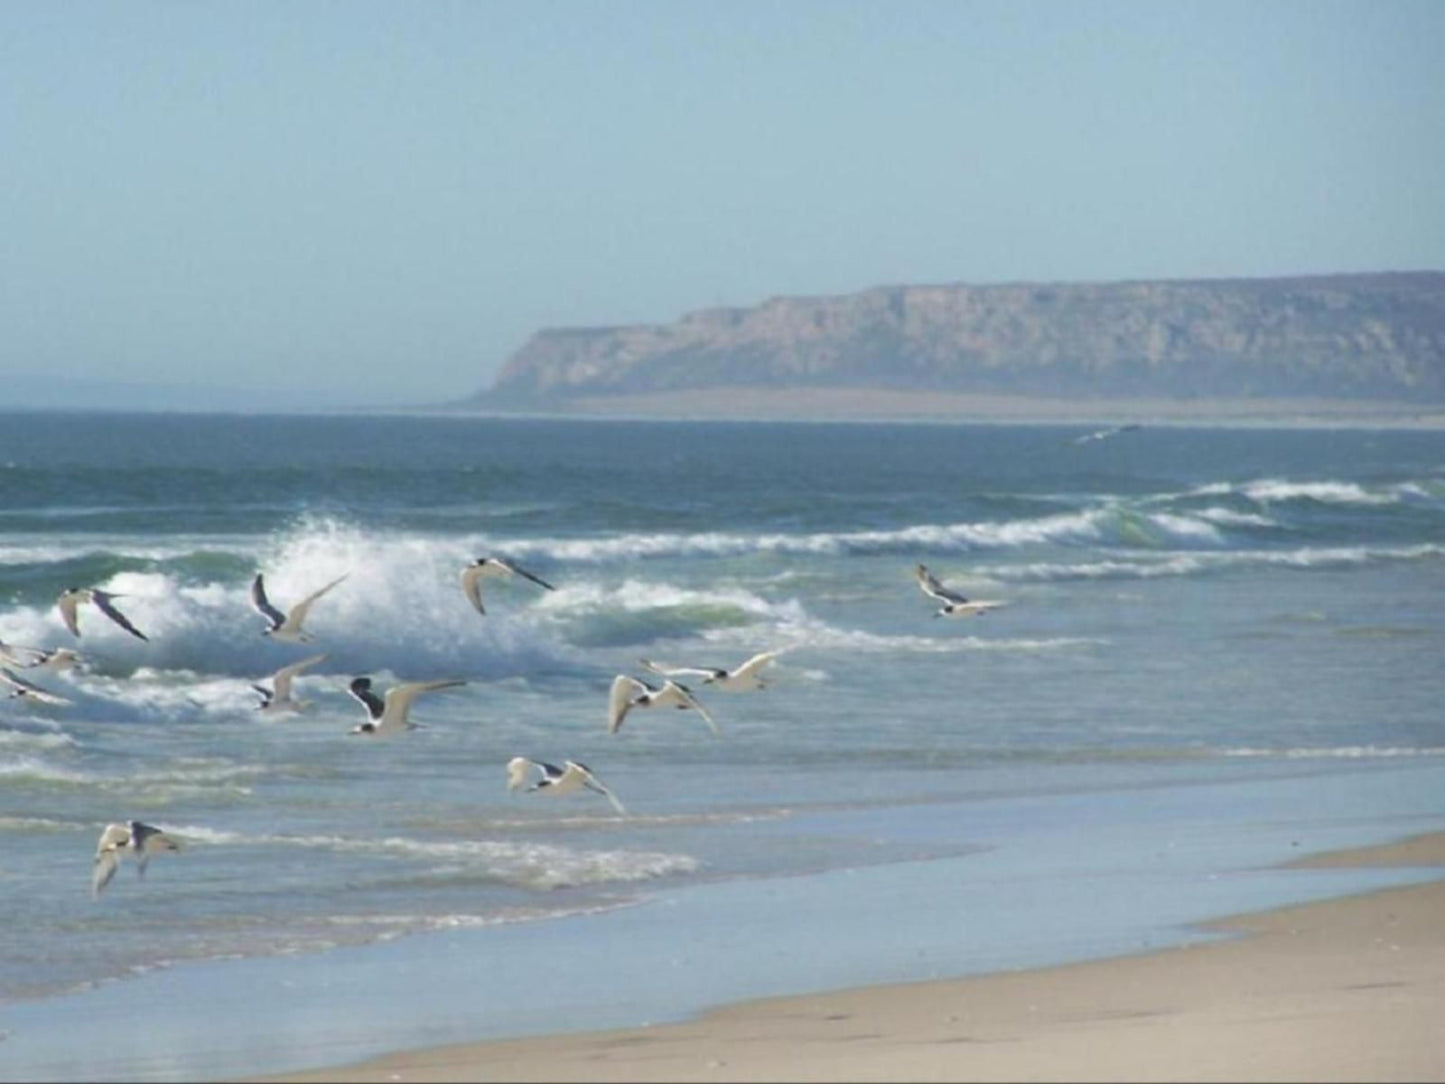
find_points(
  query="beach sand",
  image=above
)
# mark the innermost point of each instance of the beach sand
(1348, 989)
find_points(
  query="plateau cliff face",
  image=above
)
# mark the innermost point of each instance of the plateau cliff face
(1370, 336)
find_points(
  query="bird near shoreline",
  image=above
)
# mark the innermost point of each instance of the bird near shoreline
(277, 698)
(72, 598)
(387, 715)
(954, 604)
(286, 626)
(488, 568)
(628, 693)
(742, 678)
(141, 840)
(572, 776)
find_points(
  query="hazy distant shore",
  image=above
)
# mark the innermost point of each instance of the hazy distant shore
(860, 404)
(1345, 989)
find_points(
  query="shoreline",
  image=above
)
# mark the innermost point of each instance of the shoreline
(1347, 988)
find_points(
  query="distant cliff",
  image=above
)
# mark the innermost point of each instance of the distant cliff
(1366, 336)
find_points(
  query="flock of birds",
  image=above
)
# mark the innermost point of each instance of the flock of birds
(388, 714)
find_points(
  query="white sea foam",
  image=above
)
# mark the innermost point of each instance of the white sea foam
(1148, 566)
(1341, 752)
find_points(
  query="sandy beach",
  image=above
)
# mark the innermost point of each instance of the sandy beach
(1345, 989)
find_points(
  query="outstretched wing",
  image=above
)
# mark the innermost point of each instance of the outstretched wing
(146, 841)
(262, 605)
(69, 605)
(103, 601)
(517, 770)
(298, 612)
(624, 692)
(679, 671)
(472, 585)
(519, 571)
(399, 698)
(930, 586)
(29, 690)
(106, 863)
(684, 696)
(757, 662)
(282, 678)
(592, 783)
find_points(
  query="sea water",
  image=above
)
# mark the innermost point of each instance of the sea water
(1218, 645)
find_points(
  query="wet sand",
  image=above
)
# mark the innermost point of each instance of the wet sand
(1347, 989)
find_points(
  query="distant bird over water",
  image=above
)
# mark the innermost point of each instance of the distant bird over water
(488, 567)
(628, 693)
(24, 690)
(141, 840)
(574, 775)
(741, 678)
(278, 698)
(286, 626)
(1103, 434)
(388, 716)
(954, 604)
(71, 599)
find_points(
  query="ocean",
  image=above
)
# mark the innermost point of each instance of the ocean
(1218, 646)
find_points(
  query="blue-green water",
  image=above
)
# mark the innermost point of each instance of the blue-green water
(1188, 610)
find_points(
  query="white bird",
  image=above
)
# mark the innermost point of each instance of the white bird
(954, 604)
(19, 657)
(278, 698)
(71, 598)
(1103, 434)
(487, 567)
(574, 775)
(57, 658)
(628, 693)
(740, 678)
(389, 716)
(19, 687)
(286, 626)
(139, 839)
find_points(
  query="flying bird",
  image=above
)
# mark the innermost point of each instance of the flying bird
(19, 657)
(19, 687)
(628, 693)
(71, 599)
(278, 698)
(389, 716)
(954, 604)
(574, 775)
(286, 626)
(141, 840)
(488, 567)
(740, 678)
(56, 658)
(1102, 434)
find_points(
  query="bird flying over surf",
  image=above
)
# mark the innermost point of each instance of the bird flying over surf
(56, 658)
(572, 776)
(140, 840)
(628, 693)
(1103, 434)
(278, 697)
(388, 715)
(954, 604)
(24, 690)
(741, 678)
(490, 567)
(71, 599)
(286, 626)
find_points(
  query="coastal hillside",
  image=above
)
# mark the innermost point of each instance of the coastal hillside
(1377, 337)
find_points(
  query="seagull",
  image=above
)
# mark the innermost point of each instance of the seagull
(954, 604)
(573, 776)
(278, 698)
(484, 567)
(56, 658)
(140, 839)
(628, 693)
(740, 678)
(286, 626)
(388, 716)
(71, 598)
(19, 687)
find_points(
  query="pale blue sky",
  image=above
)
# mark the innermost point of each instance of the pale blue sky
(381, 201)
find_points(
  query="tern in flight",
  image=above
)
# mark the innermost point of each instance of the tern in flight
(19, 687)
(954, 604)
(389, 716)
(574, 775)
(139, 839)
(740, 678)
(286, 626)
(486, 567)
(278, 697)
(71, 598)
(56, 658)
(628, 693)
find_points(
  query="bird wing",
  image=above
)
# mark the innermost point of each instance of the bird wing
(518, 571)
(282, 678)
(25, 688)
(756, 663)
(517, 769)
(8, 655)
(102, 600)
(399, 697)
(472, 585)
(106, 863)
(928, 582)
(297, 613)
(677, 671)
(262, 605)
(592, 783)
(620, 698)
(683, 695)
(146, 841)
(69, 604)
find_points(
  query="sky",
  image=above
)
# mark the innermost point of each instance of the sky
(365, 202)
